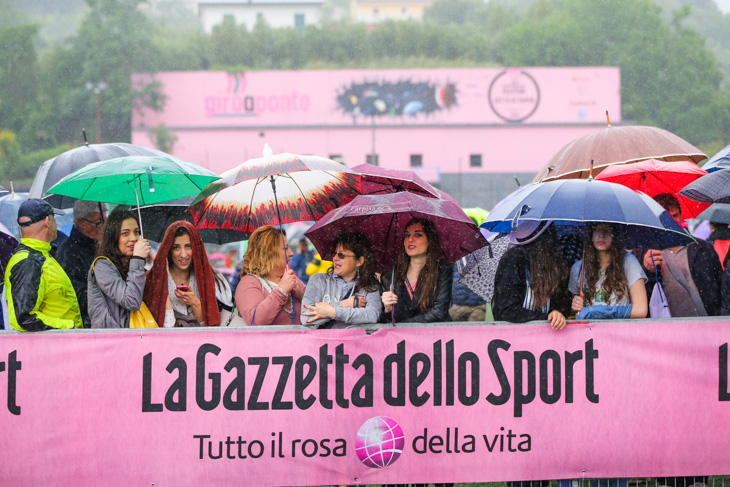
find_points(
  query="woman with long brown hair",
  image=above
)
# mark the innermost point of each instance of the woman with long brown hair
(531, 279)
(612, 279)
(421, 292)
(348, 293)
(270, 293)
(116, 282)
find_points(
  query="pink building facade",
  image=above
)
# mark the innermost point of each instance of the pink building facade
(468, 131)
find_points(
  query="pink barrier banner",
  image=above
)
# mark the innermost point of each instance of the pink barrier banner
(341, 407)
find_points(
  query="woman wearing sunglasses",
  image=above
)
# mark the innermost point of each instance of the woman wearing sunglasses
(347, 294)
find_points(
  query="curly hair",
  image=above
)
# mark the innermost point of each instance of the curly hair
(262, 254)
(429, 276)
(360, 245)
(615, 281)
(109, 245)
(547, 268)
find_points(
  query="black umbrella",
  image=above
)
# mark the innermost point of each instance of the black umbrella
(156, 219)
(53, 170)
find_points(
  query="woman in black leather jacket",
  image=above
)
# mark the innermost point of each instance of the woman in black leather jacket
(422, 289)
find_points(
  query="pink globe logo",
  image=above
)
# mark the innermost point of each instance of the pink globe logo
(379, 442)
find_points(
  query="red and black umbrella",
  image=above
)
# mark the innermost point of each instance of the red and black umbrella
(274, 190)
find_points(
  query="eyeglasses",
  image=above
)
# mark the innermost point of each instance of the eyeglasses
(96, 224)
(342, 255)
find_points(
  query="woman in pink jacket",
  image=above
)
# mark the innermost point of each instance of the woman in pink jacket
(269, 292)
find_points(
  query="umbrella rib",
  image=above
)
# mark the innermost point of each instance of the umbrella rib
(306, 201)
(334, 175)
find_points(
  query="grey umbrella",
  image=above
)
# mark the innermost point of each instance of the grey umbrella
(717, 212)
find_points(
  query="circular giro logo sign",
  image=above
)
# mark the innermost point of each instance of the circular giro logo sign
(379, 442)
(514, 95)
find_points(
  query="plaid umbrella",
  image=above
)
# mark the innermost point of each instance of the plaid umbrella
(713, 188)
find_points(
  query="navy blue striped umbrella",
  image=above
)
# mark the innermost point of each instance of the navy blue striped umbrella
(642, 222)
(721, 160)
(712, 188)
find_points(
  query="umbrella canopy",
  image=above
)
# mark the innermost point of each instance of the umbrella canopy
(384, 218)
(712, 188)
(654, 177)
(718, 212)
(9, 204)
(643, 223)
(156, 218)
(272, 190)
(616, 145)
(382, 180)
(135, 180)
(8, 242)
(53, 170)
(481, 266)
(721, 160)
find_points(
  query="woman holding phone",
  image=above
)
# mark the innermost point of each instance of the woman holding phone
(182, 289)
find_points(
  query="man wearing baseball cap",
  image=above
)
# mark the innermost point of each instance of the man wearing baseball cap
(39, 293)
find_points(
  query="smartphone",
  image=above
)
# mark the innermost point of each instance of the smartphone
(183, 288)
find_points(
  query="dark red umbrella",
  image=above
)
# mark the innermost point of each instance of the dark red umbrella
(382, 180)
(616, 145)
(383, 219)
(273, 190)
(654, 177)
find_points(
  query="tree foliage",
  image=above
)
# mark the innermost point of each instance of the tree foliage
(670, 76)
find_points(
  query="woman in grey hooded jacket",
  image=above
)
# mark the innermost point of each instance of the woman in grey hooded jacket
(348, 293)
(117, 276)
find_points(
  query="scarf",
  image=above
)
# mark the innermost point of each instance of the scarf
(156, 287)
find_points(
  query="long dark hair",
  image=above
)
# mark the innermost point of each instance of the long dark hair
(109, 245)
(429, 276)
(547, 268)
(360, 245)
(615, 281)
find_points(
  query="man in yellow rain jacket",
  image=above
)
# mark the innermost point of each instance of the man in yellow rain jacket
(39, 293)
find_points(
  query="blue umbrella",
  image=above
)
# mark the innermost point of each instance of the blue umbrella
(712, 188)
(642, 222)
(721, 160)
(9, 204)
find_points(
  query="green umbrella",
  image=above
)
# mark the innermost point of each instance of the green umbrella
(135, 180)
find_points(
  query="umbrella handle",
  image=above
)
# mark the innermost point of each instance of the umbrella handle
(139, 213)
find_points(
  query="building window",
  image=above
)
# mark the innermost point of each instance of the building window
(337, 158)
(259, 17)
(404, 12)
(376, 11)
(228, 18)
(416, 160)
(475, 160)
(372, 159)
(299, 22)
